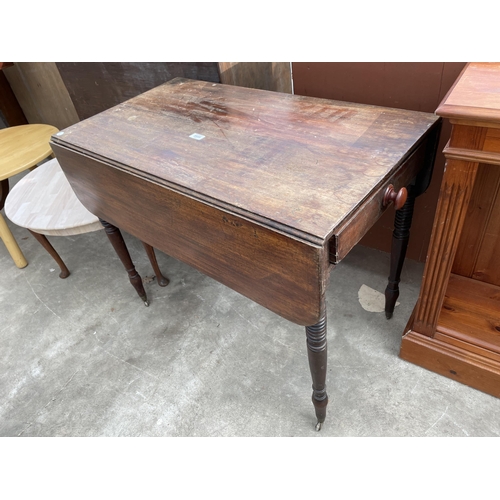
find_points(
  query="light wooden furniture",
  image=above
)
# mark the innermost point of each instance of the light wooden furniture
(41, 93)
(455, 327)
(263, 191)
(44, 203)
(21, 147)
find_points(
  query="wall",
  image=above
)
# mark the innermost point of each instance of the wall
(41, 93)
(11, 113)
(62, 94)
(413, 86)
(258, 75)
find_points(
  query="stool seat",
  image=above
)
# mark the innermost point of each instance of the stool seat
(21, 147)
(24, 146)
(44, 202)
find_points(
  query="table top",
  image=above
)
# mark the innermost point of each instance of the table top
(475, 95)
(23, 146)
(44, 202)
(294, 163)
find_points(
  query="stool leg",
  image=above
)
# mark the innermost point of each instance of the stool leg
(42, 239)
(115, 237)
(162, 281)
(11, 244)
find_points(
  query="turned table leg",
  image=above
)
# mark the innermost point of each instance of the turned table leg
(42, 239)
(400, 237)
(317, 354)
(162, 281)
(116, 239)
(403, 219)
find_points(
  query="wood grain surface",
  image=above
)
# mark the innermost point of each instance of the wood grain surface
(487, 266)
(41, 93)
(453, 359)
(22, 147)
(470, 312)
(275, 76)
(297, 164)
(475, 95)
(44, 202)
(97, 86)
(480, 213)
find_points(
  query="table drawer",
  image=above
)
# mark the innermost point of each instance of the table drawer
(362, 218)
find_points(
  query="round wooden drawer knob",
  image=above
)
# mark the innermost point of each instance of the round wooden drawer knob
(398, 198)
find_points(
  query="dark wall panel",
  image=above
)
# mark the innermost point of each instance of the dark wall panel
(10, 111)
(95, 87)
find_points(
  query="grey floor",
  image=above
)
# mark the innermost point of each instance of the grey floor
(84, 357)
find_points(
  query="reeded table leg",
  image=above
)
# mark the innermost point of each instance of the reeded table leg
(162, 281)
(116, 239)
(42, 239)
(400, 238)
(317, 354)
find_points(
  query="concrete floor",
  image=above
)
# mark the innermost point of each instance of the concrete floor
(84, 357)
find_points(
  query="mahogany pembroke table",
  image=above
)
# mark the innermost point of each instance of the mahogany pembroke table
(262, 191)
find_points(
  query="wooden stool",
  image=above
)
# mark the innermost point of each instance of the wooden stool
(21, 147)
(44, 203)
